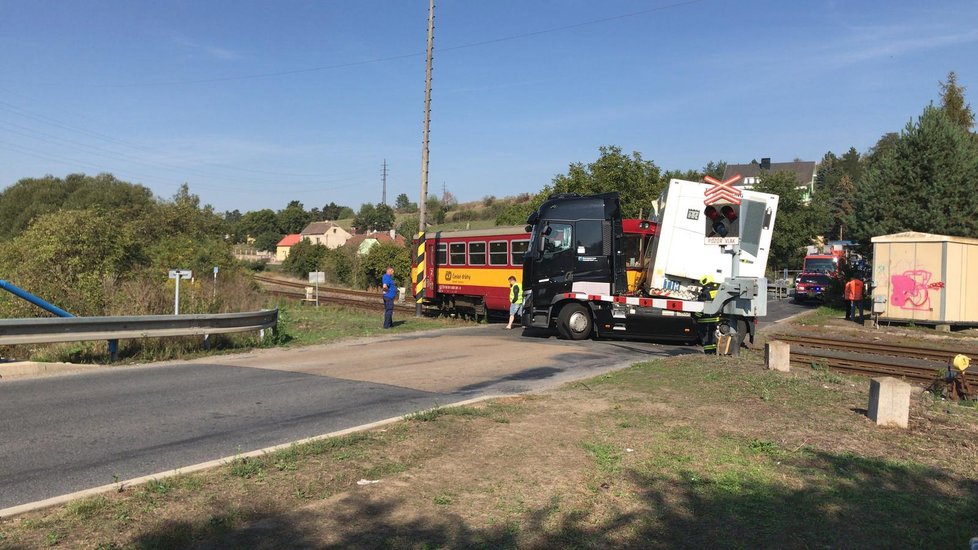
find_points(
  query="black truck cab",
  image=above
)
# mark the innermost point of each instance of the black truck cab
(576, 250)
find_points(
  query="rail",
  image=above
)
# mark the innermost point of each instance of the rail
(362, 299)
(914, 363)
(76, 329)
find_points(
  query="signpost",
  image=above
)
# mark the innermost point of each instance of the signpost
(722, 218)
(178, 274)
(317, 277)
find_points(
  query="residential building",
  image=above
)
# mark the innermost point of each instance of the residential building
(327, 234)
(804, 172)
(285, 245)
(363, 243)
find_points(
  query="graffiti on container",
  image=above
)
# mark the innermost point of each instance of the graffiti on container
(911, 290)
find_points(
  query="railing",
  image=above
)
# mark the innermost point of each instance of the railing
(76, 329)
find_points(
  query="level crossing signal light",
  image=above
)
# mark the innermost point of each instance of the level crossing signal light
(721, 221)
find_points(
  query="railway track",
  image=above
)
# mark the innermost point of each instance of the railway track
(360, 299)
(914, 363)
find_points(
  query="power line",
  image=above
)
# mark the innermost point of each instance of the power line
(386, 59)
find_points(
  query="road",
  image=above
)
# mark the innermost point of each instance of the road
(67, 433)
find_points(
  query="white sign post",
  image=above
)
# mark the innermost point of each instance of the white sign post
(317, 277)
(178, 274)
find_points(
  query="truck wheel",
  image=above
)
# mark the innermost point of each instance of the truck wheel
(574, 322)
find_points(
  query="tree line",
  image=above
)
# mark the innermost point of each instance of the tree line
(919, 179)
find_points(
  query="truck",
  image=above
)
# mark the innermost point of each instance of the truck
(574, 271)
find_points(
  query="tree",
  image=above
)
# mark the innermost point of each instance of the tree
(434, 211)
(924, 181)
(268, 240)
(796, 223)
(379, 257)
(383, 217)
(408, 227)
(715, 169)
(403, 204)
(304, 257)
(333, 211)
(637, 181)
(834, 186)
(259, 222)
(30, 198)
(365, 219)
(953, 103)
(293, 218)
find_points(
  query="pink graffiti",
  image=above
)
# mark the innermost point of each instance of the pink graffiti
(911, 290)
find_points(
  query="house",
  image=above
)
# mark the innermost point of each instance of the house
(804, 172)
(327, 234)
(285, 245)
(363, 243)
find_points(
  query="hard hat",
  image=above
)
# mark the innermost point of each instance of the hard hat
(961, 362)
(706, 279)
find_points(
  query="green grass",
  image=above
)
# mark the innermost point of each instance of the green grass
(308, 325)
(822, 314)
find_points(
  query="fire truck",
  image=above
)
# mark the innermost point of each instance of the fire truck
(574, 271)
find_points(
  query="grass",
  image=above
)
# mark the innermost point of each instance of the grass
(307, 325)
(686, 452)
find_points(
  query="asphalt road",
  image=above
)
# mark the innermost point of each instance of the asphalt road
(67, 433)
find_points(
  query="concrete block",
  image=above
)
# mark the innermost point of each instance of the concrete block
(943, 328)
(889, 402)
(777, 356)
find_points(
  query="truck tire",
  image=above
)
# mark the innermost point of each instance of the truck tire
(574, 322)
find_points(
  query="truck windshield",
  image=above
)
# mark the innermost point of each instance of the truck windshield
(820, 265)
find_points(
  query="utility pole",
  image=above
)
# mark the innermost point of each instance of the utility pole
(383, 174)
(422, 207)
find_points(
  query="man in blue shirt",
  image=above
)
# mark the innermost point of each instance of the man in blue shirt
(390, 291)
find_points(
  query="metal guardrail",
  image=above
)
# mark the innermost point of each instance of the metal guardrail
(76, 329)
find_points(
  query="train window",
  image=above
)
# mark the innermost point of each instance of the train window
(456, 253)
(519, 250)
(497, 253)
(441, 254)
(477, 253)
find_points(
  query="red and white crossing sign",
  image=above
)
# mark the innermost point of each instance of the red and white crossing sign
(722, 190)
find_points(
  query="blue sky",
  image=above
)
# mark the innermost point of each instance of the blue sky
(254, 104)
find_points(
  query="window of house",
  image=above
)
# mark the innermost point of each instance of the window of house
(456, 253)
(498, 253)
(441, 254)
(518, 251)
(477, 253)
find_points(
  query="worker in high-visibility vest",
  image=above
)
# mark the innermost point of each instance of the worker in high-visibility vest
(706, 325)
(515, 301)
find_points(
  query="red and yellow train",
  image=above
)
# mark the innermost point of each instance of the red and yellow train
(467, 272)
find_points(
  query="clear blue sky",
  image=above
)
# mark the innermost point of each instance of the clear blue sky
(256, 103)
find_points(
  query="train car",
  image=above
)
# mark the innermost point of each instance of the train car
(467, 272)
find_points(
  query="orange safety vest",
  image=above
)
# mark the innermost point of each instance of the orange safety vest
(854, 290)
